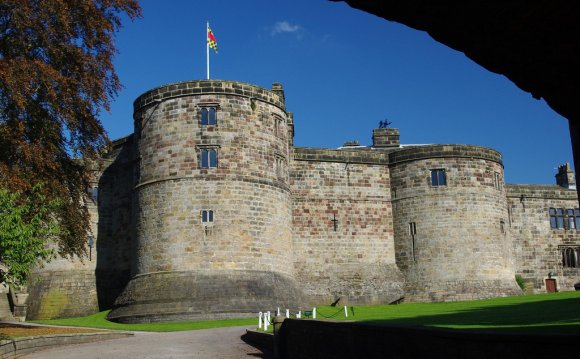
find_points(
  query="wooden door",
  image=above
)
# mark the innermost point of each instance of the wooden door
(550, 285)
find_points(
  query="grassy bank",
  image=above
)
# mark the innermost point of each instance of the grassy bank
(555, 312)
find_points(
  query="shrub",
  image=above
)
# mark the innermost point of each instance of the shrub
(521, 282)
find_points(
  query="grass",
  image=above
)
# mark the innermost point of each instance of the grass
(98, 321)
(545, 313)
(554, 312)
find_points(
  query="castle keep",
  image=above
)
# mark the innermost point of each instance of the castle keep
(208, 210)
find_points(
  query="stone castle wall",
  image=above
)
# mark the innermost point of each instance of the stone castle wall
(537, 245)
(460, 249)
(247, 191)
(68, 287)
(356, 260)
(293, 227)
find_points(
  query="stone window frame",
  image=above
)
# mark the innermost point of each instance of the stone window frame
(279, 165)
(570, 256)
(564, 218)
(413, 235)
(207, 217)
(435, 177)
(279, 124)
(201, 149)
(497, 182)
(502, 228)
(208, 106)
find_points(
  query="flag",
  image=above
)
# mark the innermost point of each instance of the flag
(211, 41)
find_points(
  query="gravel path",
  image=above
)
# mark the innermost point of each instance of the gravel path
(210, 343)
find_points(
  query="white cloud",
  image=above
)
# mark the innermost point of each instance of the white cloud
(285, 26)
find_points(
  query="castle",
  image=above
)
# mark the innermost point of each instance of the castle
(208, 210)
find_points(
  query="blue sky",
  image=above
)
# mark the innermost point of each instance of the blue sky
(343, 71)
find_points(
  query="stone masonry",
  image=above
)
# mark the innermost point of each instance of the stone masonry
(209, 211)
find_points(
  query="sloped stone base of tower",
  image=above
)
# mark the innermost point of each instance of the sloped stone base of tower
(195, 295)
(354, 284)
(447, 291)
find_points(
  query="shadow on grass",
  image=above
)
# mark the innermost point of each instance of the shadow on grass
(547, 316)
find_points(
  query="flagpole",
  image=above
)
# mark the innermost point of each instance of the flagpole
(207, 48)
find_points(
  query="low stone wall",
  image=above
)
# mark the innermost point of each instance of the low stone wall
(324, 339)
(19, 346)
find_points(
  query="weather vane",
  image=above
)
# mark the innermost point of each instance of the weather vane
(384, 124)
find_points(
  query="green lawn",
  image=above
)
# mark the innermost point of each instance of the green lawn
(98, 321)
(556, 312)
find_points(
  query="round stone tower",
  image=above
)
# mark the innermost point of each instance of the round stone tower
(450, 223)
(212, 207)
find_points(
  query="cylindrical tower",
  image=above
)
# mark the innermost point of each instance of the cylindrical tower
(450, 220)
(211, 202)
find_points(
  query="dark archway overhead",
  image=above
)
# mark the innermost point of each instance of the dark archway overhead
(534, 43)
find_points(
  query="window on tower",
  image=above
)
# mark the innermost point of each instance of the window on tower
(208, 116)
(207, 217)
(438, 177)
(208, 158)
(497, 182)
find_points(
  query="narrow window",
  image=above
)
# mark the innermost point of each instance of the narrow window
(278, 126)
(570, 220)
(207, 217)
(577, 217)
(208, 116)
(560, 217)
(553, 221)
(497, 181)
(502, 226)
(438, 177)
(279, 166)
(208, 158)
(412, 233)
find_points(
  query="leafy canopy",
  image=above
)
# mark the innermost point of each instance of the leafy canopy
(56, 75)
(25, 229)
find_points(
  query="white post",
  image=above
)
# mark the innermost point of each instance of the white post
(260, 320)
(266, 321)
(278, 311)
(314, 313)
(287, 313)
(345, 312)
(299, 315)
(207, 47)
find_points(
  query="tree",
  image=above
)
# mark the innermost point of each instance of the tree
(56, 75)
(25, 229)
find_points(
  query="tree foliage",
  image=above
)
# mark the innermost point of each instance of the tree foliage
(56, 75)
(26, 225)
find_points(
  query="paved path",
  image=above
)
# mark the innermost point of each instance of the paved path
(210, 343)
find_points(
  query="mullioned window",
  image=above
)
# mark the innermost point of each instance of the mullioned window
(562, 218)
(438, 177)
